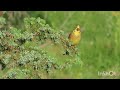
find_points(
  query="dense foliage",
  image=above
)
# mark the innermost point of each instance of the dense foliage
(21, 49)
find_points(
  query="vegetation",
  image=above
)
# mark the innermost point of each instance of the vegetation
(34, 44)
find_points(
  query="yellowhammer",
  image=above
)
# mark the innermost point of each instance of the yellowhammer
(75, 36)
(74, 39)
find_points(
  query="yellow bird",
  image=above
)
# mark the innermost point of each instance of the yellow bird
(75, 36)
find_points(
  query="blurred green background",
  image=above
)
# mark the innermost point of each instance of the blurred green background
(99, 47)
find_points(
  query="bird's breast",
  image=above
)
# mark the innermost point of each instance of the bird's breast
(74, 38)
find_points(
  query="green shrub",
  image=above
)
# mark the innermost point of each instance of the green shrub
(22, 53)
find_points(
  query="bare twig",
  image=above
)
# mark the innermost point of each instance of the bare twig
(66, 20)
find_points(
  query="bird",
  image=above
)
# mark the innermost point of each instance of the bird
(72, 41)
(75, 36)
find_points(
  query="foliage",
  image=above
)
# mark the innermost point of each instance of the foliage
(21, 49)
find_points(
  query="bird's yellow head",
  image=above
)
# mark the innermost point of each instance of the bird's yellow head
(77, 31)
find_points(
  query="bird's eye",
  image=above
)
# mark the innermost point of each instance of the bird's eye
(78, 29)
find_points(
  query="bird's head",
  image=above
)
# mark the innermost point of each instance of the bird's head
(77, 30)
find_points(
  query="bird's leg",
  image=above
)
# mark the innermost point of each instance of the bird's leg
(74, 49)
